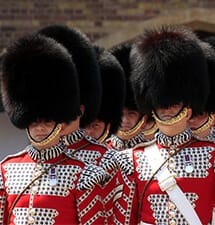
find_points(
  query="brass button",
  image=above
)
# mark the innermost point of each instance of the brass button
(31, 220)
(172, 222)
(32, 212)
(35, 189)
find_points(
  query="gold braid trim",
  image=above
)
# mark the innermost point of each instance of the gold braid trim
(151, 130)
(102, 138)
(132, 131)
(204, 126)
(173, 120)
(48, 139)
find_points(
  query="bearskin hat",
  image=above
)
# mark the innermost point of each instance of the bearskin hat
(2, 54)
(38, 78)
(84, 57)
(210, 40)
(208, 47)
(113, 89)
(122, 53)
(169, 67)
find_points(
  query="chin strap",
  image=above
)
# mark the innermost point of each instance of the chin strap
(204, 126)
(125, 134)
(151, 130)
(104, 135)
(51, 136)
(181, 115)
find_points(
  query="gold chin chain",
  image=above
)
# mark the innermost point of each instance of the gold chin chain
(48, 139)
(132, 131)
(102, 138)
(204, 126)
(173, 120)
(150, 131)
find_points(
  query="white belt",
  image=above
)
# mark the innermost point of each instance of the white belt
(168, 183)
(213, 217)
(142, 223)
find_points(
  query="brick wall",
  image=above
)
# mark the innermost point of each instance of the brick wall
(97, 18)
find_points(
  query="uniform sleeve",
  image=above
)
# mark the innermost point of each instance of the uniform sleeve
(89, 195)
(113, 161)
(126, 199)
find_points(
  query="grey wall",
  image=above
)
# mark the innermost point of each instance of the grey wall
(12, 139)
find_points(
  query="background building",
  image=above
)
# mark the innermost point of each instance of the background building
(106, 22)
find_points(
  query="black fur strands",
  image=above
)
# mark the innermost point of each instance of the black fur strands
(38, 78)
(210, 40)
(122, 53)
(169, 67)
(208, 47)
(84, 57)
(113, 86)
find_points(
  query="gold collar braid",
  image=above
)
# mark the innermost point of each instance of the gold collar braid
(204, 126)
(48, 139)
(150, 130)
(102, 138)
(125, 134)
(173, 120)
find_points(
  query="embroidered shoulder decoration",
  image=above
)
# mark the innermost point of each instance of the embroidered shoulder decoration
(108, 161)
(124, 162)
(91, 176)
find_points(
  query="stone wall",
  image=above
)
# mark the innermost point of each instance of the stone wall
(97, 18)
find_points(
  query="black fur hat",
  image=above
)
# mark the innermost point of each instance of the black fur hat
(38, 78)
(122, 53)
(84, 57)
(210, 40)
(113, 86)
(169, 67)
(208, 47)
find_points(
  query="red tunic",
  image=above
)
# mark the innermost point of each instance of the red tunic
(93, 152)
(157, 208)
(43, 203)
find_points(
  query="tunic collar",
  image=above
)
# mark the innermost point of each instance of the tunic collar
(120, 144)
(175, 141)
(45, 154)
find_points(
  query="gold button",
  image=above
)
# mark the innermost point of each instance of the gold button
(172, 222)
(172, 166)
(31, 220)
(37, 173)
(32, 212)
(39, 167)
(172, 214)
(171, 160)
(34, 189)
(37, 182)
(172, 206)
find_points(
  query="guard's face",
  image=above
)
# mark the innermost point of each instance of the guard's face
(41, 129)
(129, 119)
(168, 113)
(95, 129)
(197, 121)
(173, 112)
